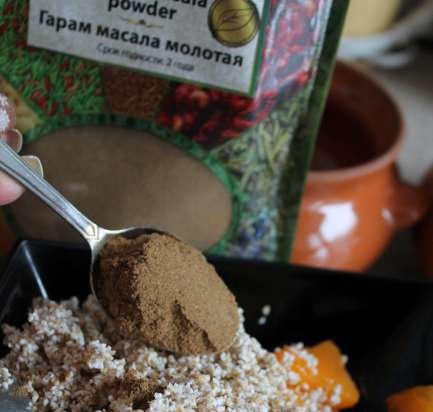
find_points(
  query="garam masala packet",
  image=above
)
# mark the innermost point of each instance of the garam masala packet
(194, 116)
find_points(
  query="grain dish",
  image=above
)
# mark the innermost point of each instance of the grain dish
(70, 358)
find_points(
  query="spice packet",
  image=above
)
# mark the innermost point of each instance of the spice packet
(194, 116)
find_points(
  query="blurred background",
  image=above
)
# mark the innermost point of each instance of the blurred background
(391, 42)
(403, 62)
(367, 204)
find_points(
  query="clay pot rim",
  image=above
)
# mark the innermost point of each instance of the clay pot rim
(377, 163)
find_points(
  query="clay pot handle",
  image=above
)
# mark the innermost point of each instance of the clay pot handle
(409, 204)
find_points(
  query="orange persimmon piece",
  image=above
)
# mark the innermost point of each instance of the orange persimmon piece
(328, 373)
(417, 399)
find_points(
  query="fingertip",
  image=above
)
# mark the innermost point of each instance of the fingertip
(9, 190)
(13, 138)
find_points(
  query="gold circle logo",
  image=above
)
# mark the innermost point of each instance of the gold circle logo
(234, 23)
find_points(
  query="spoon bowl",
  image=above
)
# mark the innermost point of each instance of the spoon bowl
(104, 235)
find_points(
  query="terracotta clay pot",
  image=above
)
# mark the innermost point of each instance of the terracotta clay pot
(355, 199)
(425, 234)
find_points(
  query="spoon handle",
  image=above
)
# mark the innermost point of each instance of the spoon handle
(15, 167)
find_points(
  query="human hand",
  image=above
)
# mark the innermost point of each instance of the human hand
(9, 189)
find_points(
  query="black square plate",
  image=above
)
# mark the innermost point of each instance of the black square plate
(385, 326)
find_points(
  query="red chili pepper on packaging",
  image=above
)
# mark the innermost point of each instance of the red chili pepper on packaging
(207, 128)
(164, 119)
(16, 24)
(303, 78)
(188, 119)
(48, 84)
(8, 9)
(54, 108)
(177, 122)
(65, 65)
(215, 96)
(238, 103)
(229, 134)
(200, 97)
(182, 92)
(20, 44)
(242, 124)
(66, 110)
(270, 94)
(86, 81)
(69, 83)
(39, 99)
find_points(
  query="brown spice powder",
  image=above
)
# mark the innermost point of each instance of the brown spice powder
(146, 172)
(165, 291)
(133, 94)
(129, 390)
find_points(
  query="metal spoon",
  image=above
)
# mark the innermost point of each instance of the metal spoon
(95, 236)
(224, 318)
